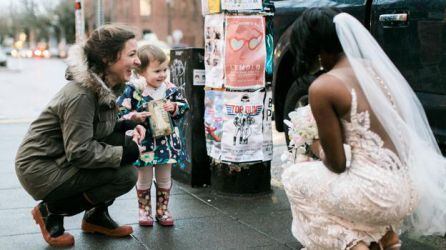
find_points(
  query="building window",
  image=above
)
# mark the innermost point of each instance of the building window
(145, 7)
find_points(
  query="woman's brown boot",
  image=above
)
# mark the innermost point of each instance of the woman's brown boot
(98, 220)
(145, 208)
(163, 216)
(51, 226)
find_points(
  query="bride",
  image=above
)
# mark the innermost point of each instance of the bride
(396, 171)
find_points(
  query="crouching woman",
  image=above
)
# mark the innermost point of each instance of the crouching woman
(75, 156)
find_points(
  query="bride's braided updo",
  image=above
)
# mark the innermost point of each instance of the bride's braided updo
(312, 33)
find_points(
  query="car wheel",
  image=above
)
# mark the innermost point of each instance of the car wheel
(297, 96)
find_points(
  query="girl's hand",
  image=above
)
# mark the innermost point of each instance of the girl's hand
(140, 117)
(139, 133)
(170, 106)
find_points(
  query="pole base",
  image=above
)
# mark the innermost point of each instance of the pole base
(241, 178)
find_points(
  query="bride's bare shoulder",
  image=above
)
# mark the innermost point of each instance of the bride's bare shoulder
(330, 88)
(327, 84)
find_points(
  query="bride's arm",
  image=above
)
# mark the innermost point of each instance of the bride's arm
(324, 95)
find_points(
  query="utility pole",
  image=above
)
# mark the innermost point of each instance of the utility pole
(80, 21)
(99, 13)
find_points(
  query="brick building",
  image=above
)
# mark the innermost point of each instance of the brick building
(162, 17)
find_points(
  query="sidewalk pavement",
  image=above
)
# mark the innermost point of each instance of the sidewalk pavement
(205, 219)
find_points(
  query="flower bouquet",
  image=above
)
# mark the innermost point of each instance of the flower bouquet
(302, 132)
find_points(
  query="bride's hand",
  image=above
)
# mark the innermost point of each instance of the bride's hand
(316, 149)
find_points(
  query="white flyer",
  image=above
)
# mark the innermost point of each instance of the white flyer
(241, 4)
(267, 128)
(213, 122)
(199, 77)
(214, 43)
(242, 139)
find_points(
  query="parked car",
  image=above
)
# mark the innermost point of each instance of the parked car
(41, 53)
(411, 32)
(41, 50)
(3, 58)
(7, 50)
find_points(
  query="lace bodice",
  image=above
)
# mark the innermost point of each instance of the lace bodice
(365, 142)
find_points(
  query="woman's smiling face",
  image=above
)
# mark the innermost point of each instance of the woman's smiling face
(121, 70)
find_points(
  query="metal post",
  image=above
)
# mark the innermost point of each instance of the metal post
(80, 22)
(111, 13)
(99, 13)
(169, 4)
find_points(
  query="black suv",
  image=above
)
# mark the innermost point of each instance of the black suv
(411, 32)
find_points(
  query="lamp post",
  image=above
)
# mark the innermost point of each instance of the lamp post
(80, 22)
(99, 13)
(169, 4)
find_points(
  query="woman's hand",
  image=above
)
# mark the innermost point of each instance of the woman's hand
(170, 106)
(139, 133)
(140, 117)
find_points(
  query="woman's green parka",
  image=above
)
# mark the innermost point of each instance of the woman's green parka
(67, 134)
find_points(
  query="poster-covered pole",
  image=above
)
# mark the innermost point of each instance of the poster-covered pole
(238, 106)
(79, 20)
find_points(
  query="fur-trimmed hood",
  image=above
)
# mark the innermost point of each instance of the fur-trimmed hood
(78, 71)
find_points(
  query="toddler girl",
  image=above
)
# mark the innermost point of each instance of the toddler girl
(149, 84)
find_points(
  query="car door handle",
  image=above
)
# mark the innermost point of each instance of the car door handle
(393, 18)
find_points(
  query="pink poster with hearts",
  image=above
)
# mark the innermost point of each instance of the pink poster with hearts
(245, 52)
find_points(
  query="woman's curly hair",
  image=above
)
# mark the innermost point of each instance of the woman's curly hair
(104, 44)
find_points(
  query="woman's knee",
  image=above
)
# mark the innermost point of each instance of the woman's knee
(128, 176)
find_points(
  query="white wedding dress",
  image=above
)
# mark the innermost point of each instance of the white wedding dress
(335, 211)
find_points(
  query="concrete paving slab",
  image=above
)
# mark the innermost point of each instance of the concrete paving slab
(271, 247)
(82, 241)
(12, 135)
(276, 224)
(239, 205)
(294, 245)
(123, 211)
(7, 160)
(17, 221)
(411, 242)
(196, 190)
(12, 132)
(217, 232)
(15, 198)
(9, 181)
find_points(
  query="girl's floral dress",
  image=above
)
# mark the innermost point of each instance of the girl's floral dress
(161, 150)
